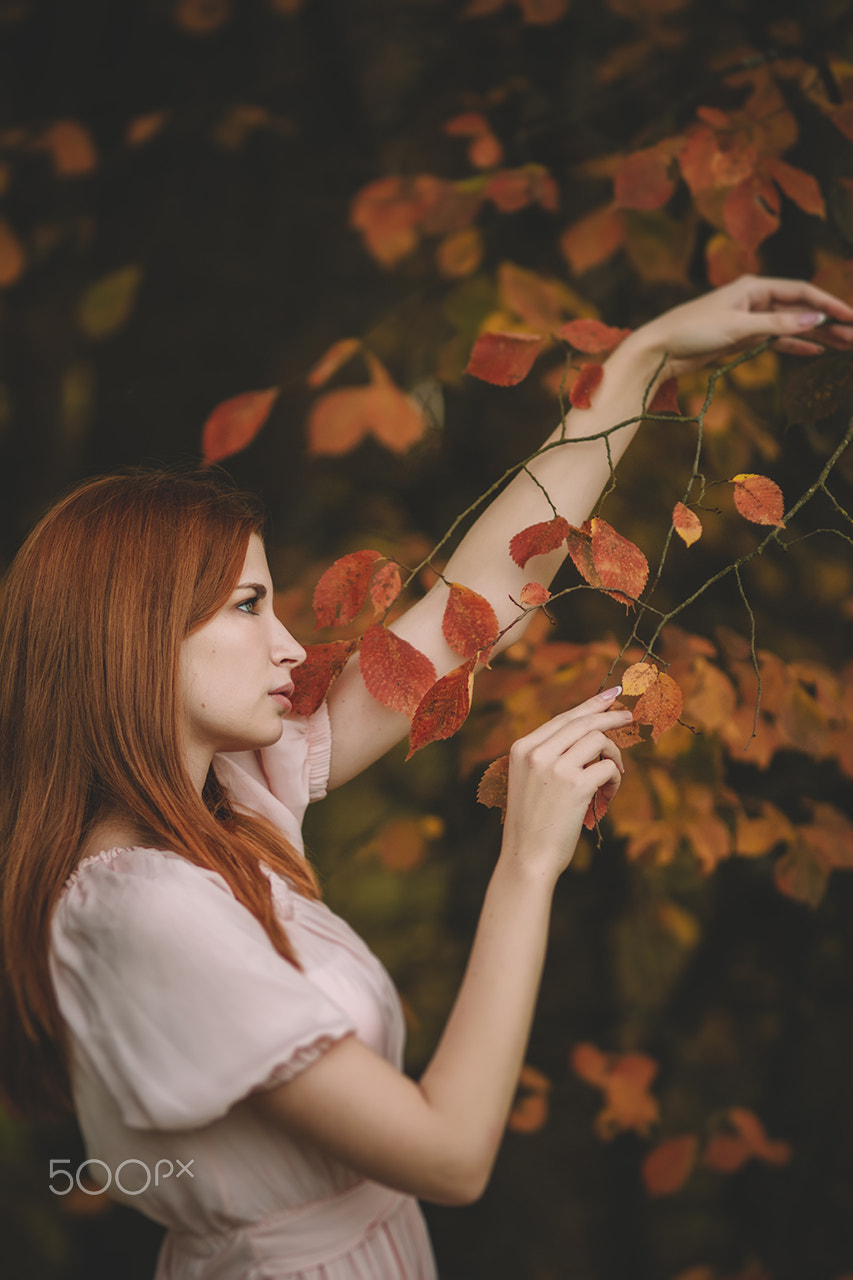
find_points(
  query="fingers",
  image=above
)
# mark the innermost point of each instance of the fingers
(569, 726)
(771, 292)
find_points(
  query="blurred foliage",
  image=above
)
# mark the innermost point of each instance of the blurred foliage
(188, 212)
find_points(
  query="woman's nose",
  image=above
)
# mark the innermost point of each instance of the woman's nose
(286, 648)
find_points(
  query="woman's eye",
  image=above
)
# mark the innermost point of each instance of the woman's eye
(250, 606)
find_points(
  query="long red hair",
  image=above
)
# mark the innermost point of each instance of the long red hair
(96, 606)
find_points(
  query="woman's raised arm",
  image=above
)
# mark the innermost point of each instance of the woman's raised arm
(734, 317)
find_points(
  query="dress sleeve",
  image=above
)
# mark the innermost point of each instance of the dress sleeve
(176, 993)
(280, 781)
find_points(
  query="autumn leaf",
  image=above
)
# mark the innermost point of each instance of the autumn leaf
(538, 539)
(727, 259)
(340, 594)
(70, 147)
(492, 790)
(142, 129)
(340, 420)
(313, 678)
(533, 594)
(585, 384)
(530, 1110)
(595, 811)
(234, 423)
(644, 180)
(665, 399)
(443, 708)
(625, 1080)
(797, 184)
(759, 499)
(619, 564)
(591, 336)
(200, 17)
(686, 524)
(460, 253)
(469, 623)
(593, 239)
(503, 359)
(747, 1139)
(751, 211)
(668, 1166)
(13, 258)
(385, 587)
(395, 673)
(107, 304)
(331, 361)
(659, 703)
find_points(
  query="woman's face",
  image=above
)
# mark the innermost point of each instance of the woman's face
(236, 671)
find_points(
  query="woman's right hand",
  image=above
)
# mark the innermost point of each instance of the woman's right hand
(554, 773)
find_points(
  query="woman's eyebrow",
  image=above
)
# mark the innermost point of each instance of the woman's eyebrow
(258, 588)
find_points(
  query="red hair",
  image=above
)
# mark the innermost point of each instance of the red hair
(97, 604)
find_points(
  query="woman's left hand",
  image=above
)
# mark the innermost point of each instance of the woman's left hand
(803, 320)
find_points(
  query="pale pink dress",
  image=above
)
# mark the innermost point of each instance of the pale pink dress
(178, 1006)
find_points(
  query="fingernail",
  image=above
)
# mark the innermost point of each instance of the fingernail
(809, 319)
(607, 695)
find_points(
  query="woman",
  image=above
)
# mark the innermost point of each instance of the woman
(231, 1048)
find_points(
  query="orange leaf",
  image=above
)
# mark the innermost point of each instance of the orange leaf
(591, 336)
(530, 1111)
(460, 253)
(727, 259)
(625, 1080)
(751, 211)
(759, 499)
(538, 539)
(585, 384)
(504, 359)
(388, 212)
(660, 706)
(493, 785)
(13, 258)
(533, 594)
(70, 146)
(385, 586)
(595, 810)
(321, 668)
(485, 151)
(801, 876)
(727, 1152)
(401, 844)
(665, 399)
(668, 1166)
(593, 239)
(620, 565)
(686, 524)
(199, 17)
(799, 186)
(394, 671)
(142, 129)
(469, 623)
(340, 420)
(643, 181)
(638, 678)
(234, 423)
(333, 359)
(341, 591)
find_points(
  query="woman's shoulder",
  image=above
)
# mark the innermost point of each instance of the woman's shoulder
(125, 872)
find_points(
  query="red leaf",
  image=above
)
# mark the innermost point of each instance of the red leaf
(443, 708)
(644, 181)
(751, 211)
(333, 359)
(726, 1152)
(493, 785)
(759, 499)
(385, 586)
(667, 1167)
(596, 809)
(798, 185)
(665, 399)
(234, 423)
(533, 594)
(620, 565)
(591, 336)
(394, 671)
(538, 539)
(727, 260)
(469, 623)
(70, 146)
(467, 125)
(504, 359)
(341, 591)
(321, 668)
(686, 523)
(579, 543)
(586, 382)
